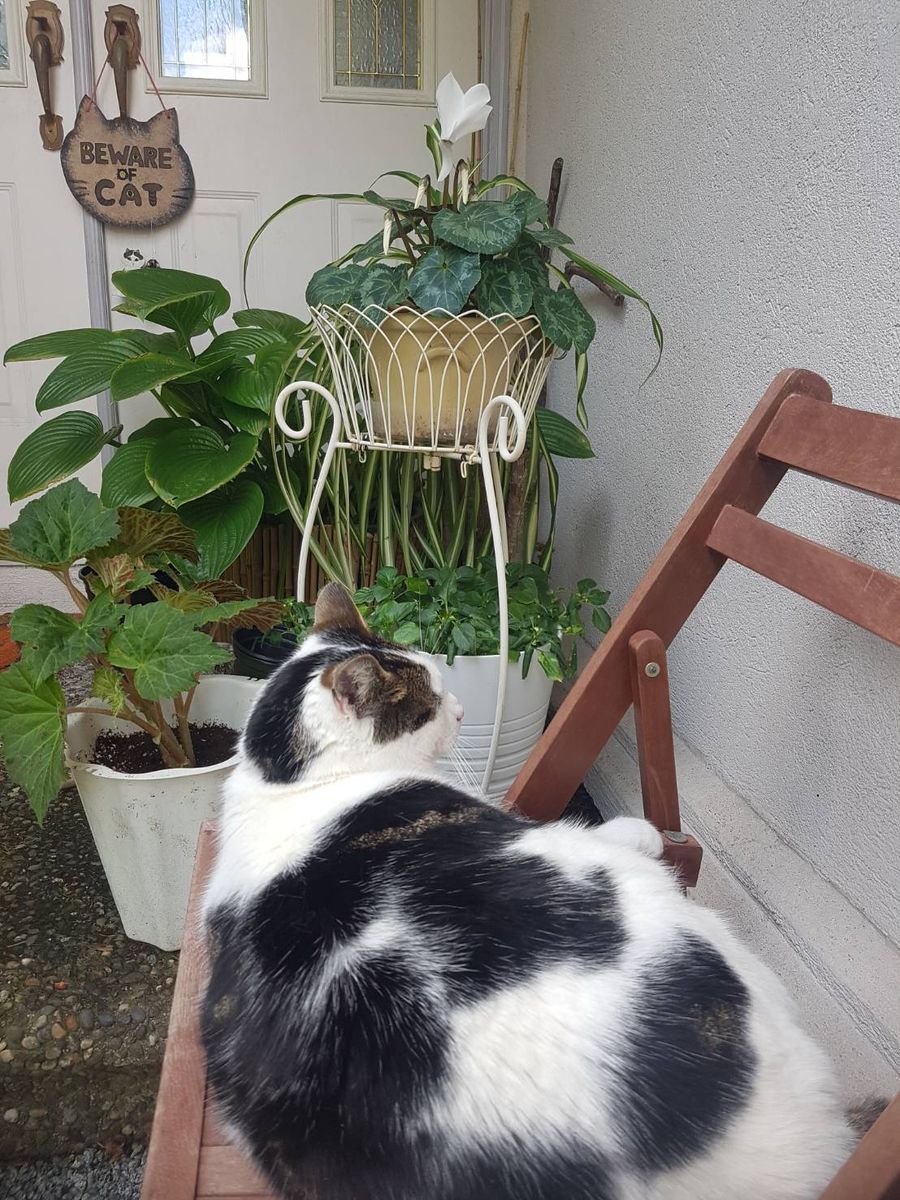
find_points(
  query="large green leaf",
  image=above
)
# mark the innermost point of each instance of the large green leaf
(443, 278)
(247, 420)
(158, 427)
(504, 288)
(55, 450)
(64, 524)
(256, 384)
(292, 329)
(58, 345)
(234, 346)
(146, 372)
(620, 286)
(224, 523)
(190, 463)
(531, 206)
(335, 286)
(549, 237)
(561, 436)
(178, 300)
(564, 319)
(52, 639)
(384, 286)
(124, 478)
(32, 728)
(482, 227)
(163, 649)
(143, 531)
(528, 256)
(84, 374)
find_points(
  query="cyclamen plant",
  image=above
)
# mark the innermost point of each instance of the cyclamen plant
(452, 248)
(142, 654)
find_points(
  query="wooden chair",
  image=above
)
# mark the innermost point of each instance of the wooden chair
(794, 426)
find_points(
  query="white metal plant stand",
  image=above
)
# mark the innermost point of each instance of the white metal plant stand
(441, 385)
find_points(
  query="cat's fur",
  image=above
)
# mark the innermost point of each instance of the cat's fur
(416, 996)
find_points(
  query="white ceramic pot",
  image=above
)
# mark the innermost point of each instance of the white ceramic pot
(146, 826)
(473, 680)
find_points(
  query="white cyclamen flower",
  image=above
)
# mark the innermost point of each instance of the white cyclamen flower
(422, 193)
(388, 234)
(460, 113)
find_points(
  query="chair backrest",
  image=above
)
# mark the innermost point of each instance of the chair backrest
(794, 426)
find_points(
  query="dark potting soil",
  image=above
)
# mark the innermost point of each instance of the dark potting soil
(136, 753)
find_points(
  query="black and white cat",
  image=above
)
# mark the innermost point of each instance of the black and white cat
(416, 996)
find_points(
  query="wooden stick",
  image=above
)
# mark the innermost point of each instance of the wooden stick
(517, 107)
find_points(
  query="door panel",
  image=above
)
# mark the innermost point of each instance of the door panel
(252, 153)
(43, 282)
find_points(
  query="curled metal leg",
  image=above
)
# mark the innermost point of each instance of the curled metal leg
(509, 449)
(299, 435)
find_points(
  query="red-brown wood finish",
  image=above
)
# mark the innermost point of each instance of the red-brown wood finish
(872, 1172)
(864, 595)
(847, 445)
(663, 601)
(653, 722)
(173, 1158)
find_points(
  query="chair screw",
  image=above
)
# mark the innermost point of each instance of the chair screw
(652, 669)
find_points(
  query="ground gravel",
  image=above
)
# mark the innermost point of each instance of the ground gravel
(88, 1176)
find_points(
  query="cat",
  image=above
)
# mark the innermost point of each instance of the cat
(417, 996)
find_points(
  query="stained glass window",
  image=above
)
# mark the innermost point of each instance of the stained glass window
(377, 43)
(4, 38)
(204, 39)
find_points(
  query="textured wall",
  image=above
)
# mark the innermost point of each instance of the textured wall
(739, 164)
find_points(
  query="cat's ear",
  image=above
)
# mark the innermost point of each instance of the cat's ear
(335, 610)
(360, 685)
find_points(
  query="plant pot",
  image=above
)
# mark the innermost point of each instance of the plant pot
(432, 374)
(256, 655)
(473, 680)
(146, 826)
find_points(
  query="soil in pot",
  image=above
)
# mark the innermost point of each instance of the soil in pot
(136, 753)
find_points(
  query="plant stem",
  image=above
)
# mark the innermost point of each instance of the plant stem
(395, 216)
(184, 729)
(80, 599)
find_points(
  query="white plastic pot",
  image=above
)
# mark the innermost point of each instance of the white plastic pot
(473, 680)
(146, 826)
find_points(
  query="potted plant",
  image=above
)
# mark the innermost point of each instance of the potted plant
(452, 615)
(150, 748)
(206, 454)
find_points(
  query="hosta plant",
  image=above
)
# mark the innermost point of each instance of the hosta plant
(142, 654)
(207, 455)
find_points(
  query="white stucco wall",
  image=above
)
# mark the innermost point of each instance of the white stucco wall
(740, 164)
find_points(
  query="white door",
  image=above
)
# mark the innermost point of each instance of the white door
(268, 108)
(43, 279)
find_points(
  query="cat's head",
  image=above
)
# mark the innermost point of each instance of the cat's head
(349, 699)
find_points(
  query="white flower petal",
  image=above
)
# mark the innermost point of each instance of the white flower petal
(476, 110)
(386, 238)
(446, 161)
(449, 102)
(422, 193)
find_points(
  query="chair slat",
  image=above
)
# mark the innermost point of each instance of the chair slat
(212, 1130)
(847, 445)
(663, 600)
(860, 593)
(872, 1172)
(174, 1152)
(225, 1172)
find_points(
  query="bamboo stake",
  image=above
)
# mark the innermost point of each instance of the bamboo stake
(517, 107)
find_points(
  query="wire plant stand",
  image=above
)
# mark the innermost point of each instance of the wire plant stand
(459, 386)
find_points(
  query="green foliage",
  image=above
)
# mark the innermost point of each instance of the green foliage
(56, 450)
(142, 653)
(443, 278)
(454, 611)
(481, 226)
(32, 724)
(64, 524)
(163, 650)
(218, 400)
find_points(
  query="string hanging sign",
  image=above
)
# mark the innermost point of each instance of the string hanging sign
(129, 173)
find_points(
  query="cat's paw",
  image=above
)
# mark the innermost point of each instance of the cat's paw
(633, 832)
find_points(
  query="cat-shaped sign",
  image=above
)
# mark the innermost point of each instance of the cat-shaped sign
(126, 172)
